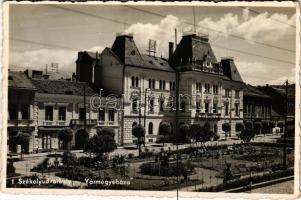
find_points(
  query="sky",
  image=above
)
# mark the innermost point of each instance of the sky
(260, 39)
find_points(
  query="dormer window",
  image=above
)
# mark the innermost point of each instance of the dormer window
(133, 52)
(151, 62)
(10, 78)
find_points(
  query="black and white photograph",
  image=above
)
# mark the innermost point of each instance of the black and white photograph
(184, 98)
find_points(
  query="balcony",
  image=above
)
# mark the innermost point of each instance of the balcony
(49, 123)
(107, 123)
(19, 122)
(81, 122)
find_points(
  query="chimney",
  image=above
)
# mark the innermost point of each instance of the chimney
(170, 47)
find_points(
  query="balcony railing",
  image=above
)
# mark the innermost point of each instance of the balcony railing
(81, 122)
(107, 123)
(21, 122)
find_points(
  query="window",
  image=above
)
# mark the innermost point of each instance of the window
(198, 106)
(215, 89)
(154, 84)
(134, 105)
(206, 107)
(163, 85)
(101, 115)
(151, 105)
(207, 88)
(49, 113)
(227, 92)
(151, 83)
(13, 112)
(160, 85)
(150, 128)
(236, 109)
(62, 113)
(214, 107)
(237, 93)
(161, 105)
(170, 85)
(226, 109)
(111, 115)
(25, 112)
(135, 81)
(82, 113)
(198, 87)
(173, 86)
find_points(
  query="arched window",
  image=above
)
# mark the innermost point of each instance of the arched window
(150, 128)
(137, 82)
(133, 81)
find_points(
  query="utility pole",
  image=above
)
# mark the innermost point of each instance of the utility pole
(285, 124)
(177, 123)
(85, 119)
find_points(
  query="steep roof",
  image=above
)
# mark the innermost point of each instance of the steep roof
(62, 87)
(158, 63)
(126, 50)
(250, 90)
(230, 69)
(193, 49)
(19, 80)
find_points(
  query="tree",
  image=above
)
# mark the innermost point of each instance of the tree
(101, 143)
(65, 135)
(226, 128)
(23, 140)
(208, 133)
(272, 125)
(280, 125)
(81, 138)
(196, 132)
(265, 127)
(139, 132)
(246, 135)
(248, 125)
(184, 132)
(257, 127)
(164, 129)
(239, 127)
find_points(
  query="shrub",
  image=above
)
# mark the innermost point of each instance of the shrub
(196, 132)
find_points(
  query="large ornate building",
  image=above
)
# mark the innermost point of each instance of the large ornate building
(208, 90)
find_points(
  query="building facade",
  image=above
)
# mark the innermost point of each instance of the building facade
(209, 90)
(53, 105)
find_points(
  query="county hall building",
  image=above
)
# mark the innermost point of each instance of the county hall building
(210, 90)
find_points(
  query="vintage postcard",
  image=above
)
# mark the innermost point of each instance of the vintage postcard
(151, 99)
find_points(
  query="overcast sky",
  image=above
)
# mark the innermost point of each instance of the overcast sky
(41, 34)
